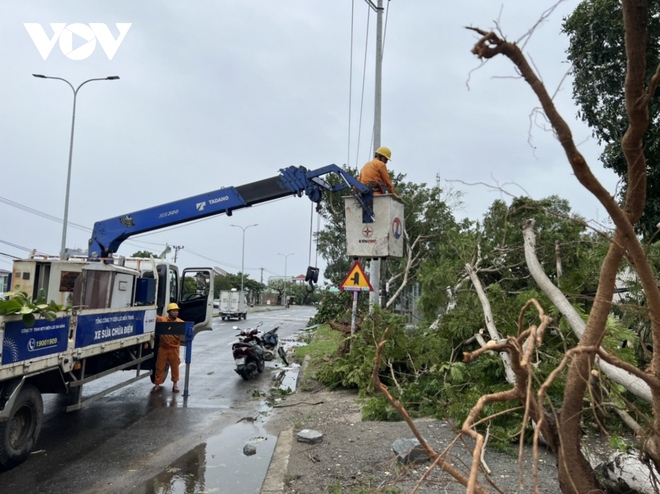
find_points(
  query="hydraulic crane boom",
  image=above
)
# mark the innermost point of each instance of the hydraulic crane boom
(108, 234)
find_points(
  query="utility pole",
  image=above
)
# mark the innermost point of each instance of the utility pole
(286, 256)
(374, 265)
(176, 248)
(262, 276)
(243, 228)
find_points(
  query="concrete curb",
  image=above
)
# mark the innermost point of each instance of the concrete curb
(279, 462)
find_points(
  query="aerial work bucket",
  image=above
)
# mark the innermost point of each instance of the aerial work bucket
(381, 239)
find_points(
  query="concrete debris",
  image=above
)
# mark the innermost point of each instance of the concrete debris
(409, 451)
(309, 436)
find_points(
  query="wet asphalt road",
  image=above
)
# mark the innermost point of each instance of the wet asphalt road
(132, 441)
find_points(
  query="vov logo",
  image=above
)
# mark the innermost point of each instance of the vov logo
(89, 33)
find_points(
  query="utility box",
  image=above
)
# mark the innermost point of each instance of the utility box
(383, 237)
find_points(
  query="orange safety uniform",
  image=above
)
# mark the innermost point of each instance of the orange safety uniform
(374, 172)
(168, 351)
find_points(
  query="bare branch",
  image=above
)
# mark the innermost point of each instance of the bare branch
(490, 325)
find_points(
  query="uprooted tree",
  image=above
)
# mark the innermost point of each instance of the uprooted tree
(560, 426)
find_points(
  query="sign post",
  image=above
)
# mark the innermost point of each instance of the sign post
(356, 281)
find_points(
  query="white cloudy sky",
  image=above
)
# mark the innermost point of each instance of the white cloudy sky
(225, 92)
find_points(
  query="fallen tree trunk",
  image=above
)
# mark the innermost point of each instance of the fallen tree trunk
(629, 381)
(490, 325)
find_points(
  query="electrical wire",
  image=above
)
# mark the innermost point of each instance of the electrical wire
(350, 84)
(36, 212)
(20, 247)
(382, 54)
(364, 76)
(371, 6)
(139, 244)
(47, 216)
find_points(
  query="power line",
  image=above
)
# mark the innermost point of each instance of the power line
(36, 212)
(139, 244)
(350, 85)
(20, 247)
(364, 76)
(47, 216)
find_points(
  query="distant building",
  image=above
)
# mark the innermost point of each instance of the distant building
(4, 280)
(275, 279)
(292, 279)
(268, 297)
(76, 252)
(219, 271)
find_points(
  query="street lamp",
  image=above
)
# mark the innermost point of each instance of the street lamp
(285, 258)
(68, 175)
(243, 250)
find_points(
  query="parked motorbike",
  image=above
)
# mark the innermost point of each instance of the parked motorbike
(248, 353)
(272, 348)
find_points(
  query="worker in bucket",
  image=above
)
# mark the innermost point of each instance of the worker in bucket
(168, 351)
(374, 174)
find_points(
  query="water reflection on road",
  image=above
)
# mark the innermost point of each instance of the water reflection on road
(219, 465)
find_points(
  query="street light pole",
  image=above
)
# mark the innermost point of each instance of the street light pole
(243, 250)
(285, 259)
(68, 174)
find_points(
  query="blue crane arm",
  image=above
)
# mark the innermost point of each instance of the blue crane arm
(108, 234)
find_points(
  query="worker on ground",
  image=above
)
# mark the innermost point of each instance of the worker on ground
(375, 175)
(168, 351)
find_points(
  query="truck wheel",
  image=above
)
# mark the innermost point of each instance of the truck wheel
(245, 316)
(19, 434)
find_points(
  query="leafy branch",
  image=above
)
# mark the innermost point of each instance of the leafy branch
(19, 303)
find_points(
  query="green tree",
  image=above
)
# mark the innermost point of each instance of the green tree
(598, 58)
(144, 254)
(427, 218)
(251, 287)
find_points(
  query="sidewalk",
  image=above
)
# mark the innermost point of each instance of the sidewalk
(357, 457)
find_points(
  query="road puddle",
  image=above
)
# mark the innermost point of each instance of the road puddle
(226, 463)
(219, 465)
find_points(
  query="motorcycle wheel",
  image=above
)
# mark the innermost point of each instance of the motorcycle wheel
(261, 365)
(245, 373)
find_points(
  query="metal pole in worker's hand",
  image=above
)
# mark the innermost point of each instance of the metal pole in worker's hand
(190, 334)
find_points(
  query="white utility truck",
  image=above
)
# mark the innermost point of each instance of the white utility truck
(233, 304)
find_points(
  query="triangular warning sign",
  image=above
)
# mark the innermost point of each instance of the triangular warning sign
(356, 280)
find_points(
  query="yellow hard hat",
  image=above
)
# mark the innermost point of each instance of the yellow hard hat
(383, 151)
(172, 306)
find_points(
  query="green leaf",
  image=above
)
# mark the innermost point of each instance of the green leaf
(28, 320)
(41, 297)
(49, 315)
